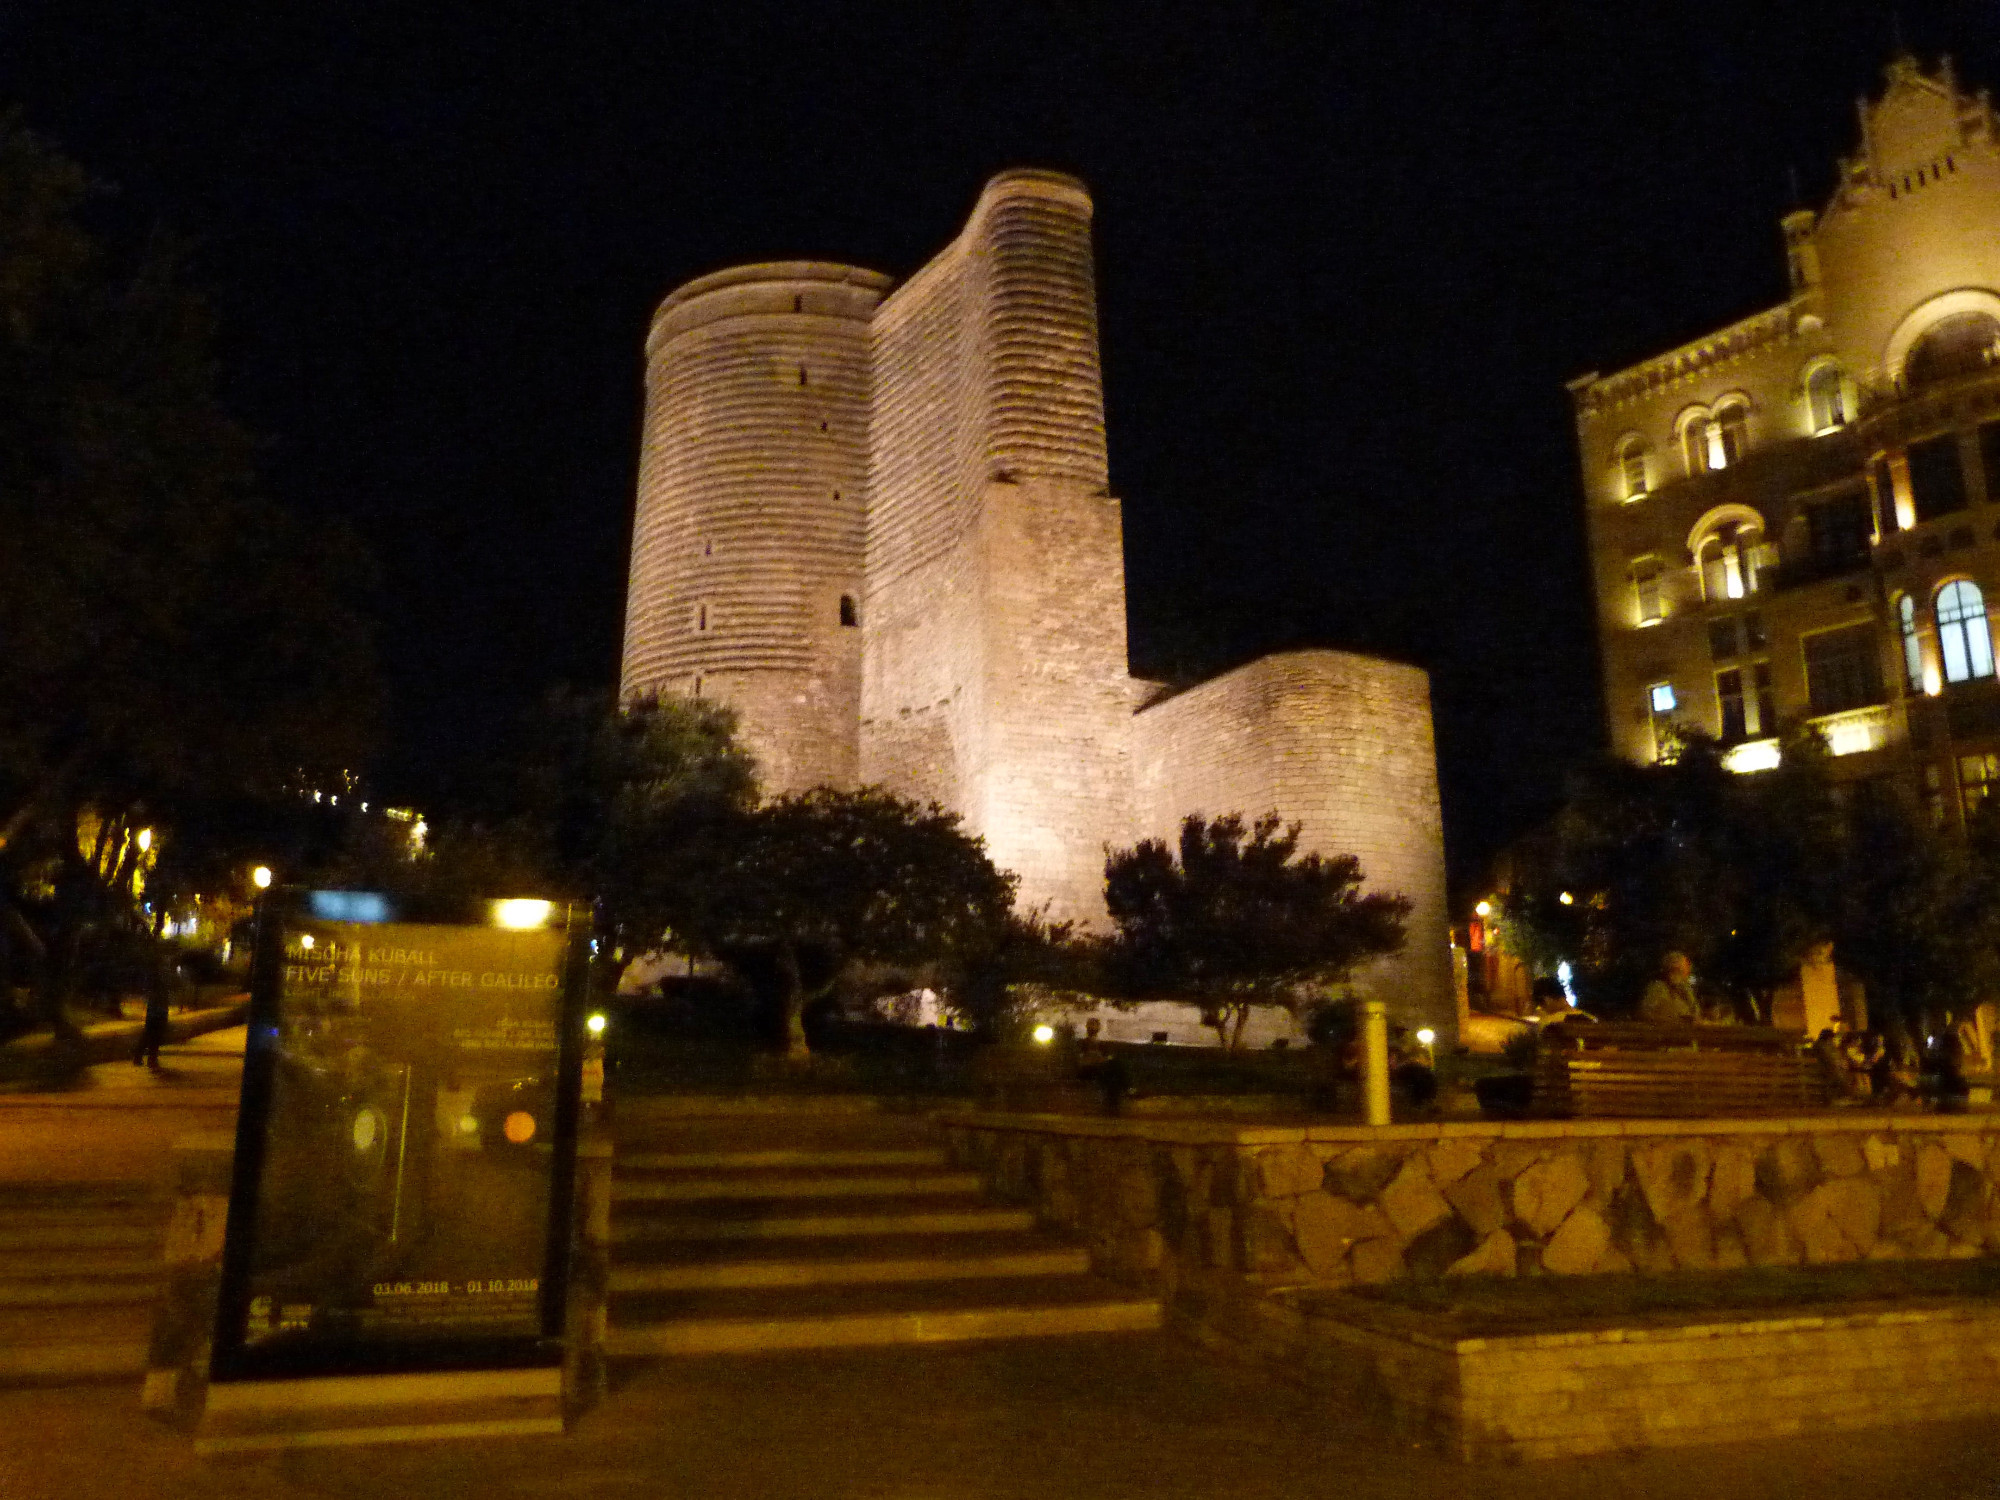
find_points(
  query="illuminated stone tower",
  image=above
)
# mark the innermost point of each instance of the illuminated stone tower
(747, 543)
(880, 526)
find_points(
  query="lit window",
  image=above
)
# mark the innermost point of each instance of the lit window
(1964, 639)
(1729, 437)
(1730, 559)
(1977, 777)
(1633, 479)
(1913, 648)
(1695, 445)
(1826, 396)
(1661, 696)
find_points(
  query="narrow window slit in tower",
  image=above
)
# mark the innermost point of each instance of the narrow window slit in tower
(798, 304)
(848, 616)
(802, 374)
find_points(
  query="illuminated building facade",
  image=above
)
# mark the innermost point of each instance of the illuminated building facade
(876, 521)
(1798, 516)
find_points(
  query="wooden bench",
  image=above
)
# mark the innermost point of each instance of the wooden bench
(1633, 1071)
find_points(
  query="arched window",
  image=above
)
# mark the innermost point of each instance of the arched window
(1729, 435)
(1729, 559)
(1913, 648)
(1634, 480)
(1964, 343)
(1695, 446)
(1826, 396)
(1964, 639)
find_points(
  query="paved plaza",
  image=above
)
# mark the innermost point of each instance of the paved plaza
(1113, 1417)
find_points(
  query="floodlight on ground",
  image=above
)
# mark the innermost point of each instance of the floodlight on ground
(1044, 1034)
(594, 1023)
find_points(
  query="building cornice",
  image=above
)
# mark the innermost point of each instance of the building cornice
(1691, 362)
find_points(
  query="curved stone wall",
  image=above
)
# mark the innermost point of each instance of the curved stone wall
(1340, 744)
(747, 544)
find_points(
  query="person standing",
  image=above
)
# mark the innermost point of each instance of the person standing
(1670, 1000)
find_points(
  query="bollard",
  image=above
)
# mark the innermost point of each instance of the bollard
(1375, 1060)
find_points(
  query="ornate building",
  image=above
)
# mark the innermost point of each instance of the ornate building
(876, 520)
(1799, 515)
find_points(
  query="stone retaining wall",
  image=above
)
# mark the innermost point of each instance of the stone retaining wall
(1177, 1206)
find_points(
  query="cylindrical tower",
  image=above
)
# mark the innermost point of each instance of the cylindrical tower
(747, 544)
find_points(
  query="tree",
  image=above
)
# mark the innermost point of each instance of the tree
(791, 893)
(1235, 917)
(1744, 873)
(608, 802)
(173, 642)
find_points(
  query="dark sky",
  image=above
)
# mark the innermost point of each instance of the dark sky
(1348, 254)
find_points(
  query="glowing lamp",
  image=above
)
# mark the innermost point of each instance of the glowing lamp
(1427, 1036)
(594, 1023)
(145, 839)
(521, 914)
(1567, 899)
(1044, 1034)
(261, 877)
(1484, 908)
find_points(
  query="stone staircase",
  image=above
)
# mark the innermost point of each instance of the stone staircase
(80, 1268)
(767, 1225)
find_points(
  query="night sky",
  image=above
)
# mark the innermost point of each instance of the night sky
(1348, 254)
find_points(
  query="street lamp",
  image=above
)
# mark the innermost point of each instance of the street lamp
(261, 877)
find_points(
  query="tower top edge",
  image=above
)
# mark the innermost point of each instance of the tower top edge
(789, 273)
(1035, 182)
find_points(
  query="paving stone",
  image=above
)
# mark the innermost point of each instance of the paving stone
(1575, 1248)
(1767, 1238)
(1377, 1260)
(1363, 1172)
(1325, 1228)
(1452, 1158)
(1970, 1149)
(1672, 1174)
(1732, 1179)
(1604, 1164)
(1691, 1236)
(1933, 1178)
(1545, 1193)
(1881, 1152)
(1412, 1200)
(1787, 1170)
(1839, 1155)
(1477, 1198)
(1494, 1256)
(1286, 1171)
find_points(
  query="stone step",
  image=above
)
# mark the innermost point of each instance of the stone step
(827, 1318)
(762, 1186)
(52, 1345)
(70, 1259)
(960, 1246)
(810, 1226)
(64, 1236)
(844, 1271)
(81, 1291)
(777, 1159)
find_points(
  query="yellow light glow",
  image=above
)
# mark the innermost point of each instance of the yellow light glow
(1850, 739)
(1757, 755)
(306, 942)
(261, 877)
(1044, 1034)
(1933, 680)
(145, 839)
(594, 1024)
(1484, 908)
(1427, 1036)
(520, 914)
(1567, 899)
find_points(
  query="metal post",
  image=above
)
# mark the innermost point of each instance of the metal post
(1375, 1060)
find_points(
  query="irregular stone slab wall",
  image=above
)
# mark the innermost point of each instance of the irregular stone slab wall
(1192, 1208)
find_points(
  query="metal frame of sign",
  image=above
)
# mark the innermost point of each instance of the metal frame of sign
(233, 1357)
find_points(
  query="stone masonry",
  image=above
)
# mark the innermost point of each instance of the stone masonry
(879, 525)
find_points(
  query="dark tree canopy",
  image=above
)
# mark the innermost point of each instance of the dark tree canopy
(791, 893)
(1744, 873)
(1234, 916)
(172, 643)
